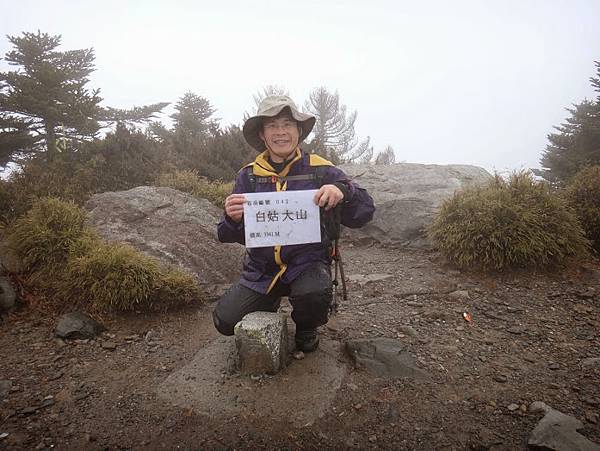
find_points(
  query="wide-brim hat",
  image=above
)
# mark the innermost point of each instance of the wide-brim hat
(271, 106)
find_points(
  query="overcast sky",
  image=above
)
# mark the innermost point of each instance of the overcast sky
(470, 82)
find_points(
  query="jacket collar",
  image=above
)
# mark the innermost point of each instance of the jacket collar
(262, 167)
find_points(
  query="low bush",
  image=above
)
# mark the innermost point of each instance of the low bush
(583, 194)
(518, 222)
(45, 237)
(118, 277)
(188, 181)
(65, 178)
(71, 262)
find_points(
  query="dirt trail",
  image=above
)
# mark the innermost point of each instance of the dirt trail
(525, 343)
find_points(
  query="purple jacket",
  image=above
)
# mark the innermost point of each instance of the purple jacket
(264, 266)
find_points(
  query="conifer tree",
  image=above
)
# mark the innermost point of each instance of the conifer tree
(576, 144)
(48, 95)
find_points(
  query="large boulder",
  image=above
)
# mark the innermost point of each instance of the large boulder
(407, 196)
(172, 226)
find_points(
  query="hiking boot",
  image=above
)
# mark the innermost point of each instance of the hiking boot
(307, 340)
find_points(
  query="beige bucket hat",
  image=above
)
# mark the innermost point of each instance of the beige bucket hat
(271, 106)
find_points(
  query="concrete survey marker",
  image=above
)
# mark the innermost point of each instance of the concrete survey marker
(261, 340)
(300, 393)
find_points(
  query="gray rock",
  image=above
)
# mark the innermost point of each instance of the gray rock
(5, 386)
(8, 296)
(172, 226)
(407, 197)
(384, 357)
(558, 432)
(78, 325)
(261, 342)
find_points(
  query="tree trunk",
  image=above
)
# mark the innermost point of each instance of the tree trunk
(50, 142)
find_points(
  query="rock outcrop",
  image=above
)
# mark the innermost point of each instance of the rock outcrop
(172, 226)
(407, 196)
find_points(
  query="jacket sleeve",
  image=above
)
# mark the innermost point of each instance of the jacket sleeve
(228, 230)
(358, 206)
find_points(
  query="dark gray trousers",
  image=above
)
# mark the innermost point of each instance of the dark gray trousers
(310, 296)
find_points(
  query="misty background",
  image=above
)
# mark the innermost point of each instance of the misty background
(465, 82)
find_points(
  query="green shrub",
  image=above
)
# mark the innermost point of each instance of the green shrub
(118, 277)
(45, 237)
(65, 178)
(71, 262)
(583, 194)
(190, 182)
(517, 222)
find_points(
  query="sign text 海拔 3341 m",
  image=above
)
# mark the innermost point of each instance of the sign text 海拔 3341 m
(281, 218)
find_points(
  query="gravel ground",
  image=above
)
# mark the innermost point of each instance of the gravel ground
(527, 339)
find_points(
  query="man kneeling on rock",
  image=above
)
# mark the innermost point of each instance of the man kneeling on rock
(300, 271)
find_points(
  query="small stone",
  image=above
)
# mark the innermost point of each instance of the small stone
(515, 330)
(459, 328)
(392, 412)
(29, 410)
(358, 406)
(588, 293)
(78, 325)
(554, 366)
(5, 388)
(56, 376)
(407, 330)
(592, 362)
(502, 378)
(47, 403)
(373, 438)
(8, 294)
(512, 407)
(352, 386)
(298, 355)
(109, 345)
(459, 295)
(591, 417)
(482, 358)
(523, 408)
(538, 406)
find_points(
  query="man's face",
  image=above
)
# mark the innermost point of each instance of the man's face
(281, 135)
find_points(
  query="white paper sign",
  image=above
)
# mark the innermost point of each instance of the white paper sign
(281, 218)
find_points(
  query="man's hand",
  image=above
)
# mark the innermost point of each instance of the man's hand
(234, 206)
(328, 196)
